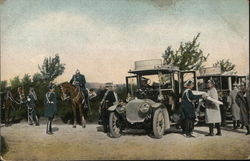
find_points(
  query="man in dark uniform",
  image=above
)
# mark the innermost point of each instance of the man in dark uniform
(187, 107)
(109, 99)
(78, 80)
(31, 98)
(50, 103)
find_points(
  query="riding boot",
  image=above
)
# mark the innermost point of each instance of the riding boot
(248, 130)
(47, 128)
(211, 130)
(234, 125)
(218, 129)
(238, 124)
(37, 121)
(50, 127)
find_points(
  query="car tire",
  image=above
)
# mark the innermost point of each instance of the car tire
(158, 123)
(114, 125)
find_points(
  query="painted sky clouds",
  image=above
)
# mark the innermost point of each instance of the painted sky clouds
(103, 38)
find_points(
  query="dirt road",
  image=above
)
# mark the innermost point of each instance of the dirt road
(31, 143)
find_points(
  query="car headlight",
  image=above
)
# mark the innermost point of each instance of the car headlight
(120, 108)
(144, 107)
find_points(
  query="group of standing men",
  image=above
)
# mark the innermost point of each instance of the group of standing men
(239, 102)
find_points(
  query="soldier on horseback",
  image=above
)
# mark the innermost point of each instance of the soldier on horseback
(31, 98)
(79, 81)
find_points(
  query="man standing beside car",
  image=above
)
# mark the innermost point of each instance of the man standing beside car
(212, 110)
(188, 110)
(109, 99)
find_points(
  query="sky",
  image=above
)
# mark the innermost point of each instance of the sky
(103, 38)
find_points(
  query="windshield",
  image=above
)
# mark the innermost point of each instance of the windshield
(156, 81)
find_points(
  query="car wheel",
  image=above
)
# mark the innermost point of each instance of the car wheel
(114, 125)
(158, 123)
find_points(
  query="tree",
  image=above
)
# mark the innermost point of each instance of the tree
(225, 65)
(51, 68)
(187, 57)
(37, 77)
(15, 82)
(3, 85)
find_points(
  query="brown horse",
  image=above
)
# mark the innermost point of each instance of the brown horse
(13, 98)
(77, 99)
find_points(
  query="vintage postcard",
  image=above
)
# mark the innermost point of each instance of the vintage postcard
(124, 79)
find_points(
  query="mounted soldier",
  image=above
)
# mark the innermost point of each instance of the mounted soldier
(31, 98)
(109, 99)
(79, 81)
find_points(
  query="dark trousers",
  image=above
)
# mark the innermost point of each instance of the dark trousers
(104, 118)
(211, 128)
(49, 124)
(223, 110)
(189, 126)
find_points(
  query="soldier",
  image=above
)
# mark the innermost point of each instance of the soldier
(234, 107)
(212, 110)
(187, 107)
(50, 103)
(31, 98)
(78, 80)
(109, 99)
(241, 100)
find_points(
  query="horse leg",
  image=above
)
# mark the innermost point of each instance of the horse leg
(6, 116)
(83, 122)
(74, 113)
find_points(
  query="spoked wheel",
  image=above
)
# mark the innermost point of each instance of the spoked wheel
(158, 123)
(114, 125)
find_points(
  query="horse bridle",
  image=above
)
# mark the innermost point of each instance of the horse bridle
(64, 97)
(10, 96)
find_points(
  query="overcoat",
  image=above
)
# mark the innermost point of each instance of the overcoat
(234, 107)
(78, 79)
(50, 104)
(187, 107)
(212, 111)
(244, 109)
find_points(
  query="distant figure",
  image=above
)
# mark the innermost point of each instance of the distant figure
(234, 107)
(241, 100)
(78, 80)
(31, 98)
(50, 103)
(187, 108)
(109, 99)
(212, 110)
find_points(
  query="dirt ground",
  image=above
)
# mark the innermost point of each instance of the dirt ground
(31, 143)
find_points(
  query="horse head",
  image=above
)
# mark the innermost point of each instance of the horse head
(65, 89)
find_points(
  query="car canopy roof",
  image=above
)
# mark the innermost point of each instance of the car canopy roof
(156, 70)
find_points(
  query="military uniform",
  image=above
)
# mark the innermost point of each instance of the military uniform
(109, 99)
(188, 110)
(31, 109)
(79, 80)
(241, 101)
(234, 108)
(50, 103)
(212, 111)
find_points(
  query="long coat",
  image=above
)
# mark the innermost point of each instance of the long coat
(187, 107)
(109, 98)
(234, 107)
(50, 103)
(212, 111)
(244, 109)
